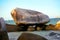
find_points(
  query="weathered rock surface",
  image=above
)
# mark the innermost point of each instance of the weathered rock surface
(3, 31)
(26, 16)
(30, 36)
(57, 25)
(54, 35)
(50, 27)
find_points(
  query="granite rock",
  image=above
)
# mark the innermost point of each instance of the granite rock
(30, 36)
(3, 31)
(26, 16)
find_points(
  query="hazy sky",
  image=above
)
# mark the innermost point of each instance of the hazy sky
(48, 7)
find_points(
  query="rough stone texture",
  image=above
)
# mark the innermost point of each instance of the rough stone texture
(3, 31)
(53, 35)
(26, 16)
(58, 25)
(30, 36)
(50, 27)
(31, 28)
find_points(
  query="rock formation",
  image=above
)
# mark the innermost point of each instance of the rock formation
(30, 36)
(50, 27)
(3, 31)
(54, 35)
(57, 25)
(25, 16)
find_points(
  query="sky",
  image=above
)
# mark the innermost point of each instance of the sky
(48, 7)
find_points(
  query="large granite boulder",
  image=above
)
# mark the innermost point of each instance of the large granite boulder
(25, 16)
(3, 31)
(30, 36)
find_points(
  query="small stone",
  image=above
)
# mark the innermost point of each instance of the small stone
(31, 28)
(50, 27)
(38, 28)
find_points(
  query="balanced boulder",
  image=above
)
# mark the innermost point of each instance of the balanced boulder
(25, 16)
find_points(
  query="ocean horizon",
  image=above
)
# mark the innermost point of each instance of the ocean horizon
(52, 21)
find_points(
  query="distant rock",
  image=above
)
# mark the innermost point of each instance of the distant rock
(30, 36)
(57, 25)
(26, 16)
(58, 22)
(50, 27)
